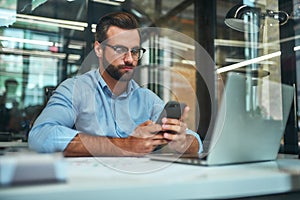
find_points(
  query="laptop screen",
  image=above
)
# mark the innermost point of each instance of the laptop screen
(250, 121)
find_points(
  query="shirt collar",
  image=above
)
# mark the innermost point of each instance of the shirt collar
(132, 85)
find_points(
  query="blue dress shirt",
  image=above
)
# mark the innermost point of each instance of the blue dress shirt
(86, 104)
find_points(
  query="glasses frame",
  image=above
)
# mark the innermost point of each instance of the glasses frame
(140, 50)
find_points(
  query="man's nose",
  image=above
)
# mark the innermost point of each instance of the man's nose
(128, 57)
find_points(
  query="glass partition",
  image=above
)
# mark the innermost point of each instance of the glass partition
(43, 42)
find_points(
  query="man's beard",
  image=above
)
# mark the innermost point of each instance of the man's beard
(115, 73)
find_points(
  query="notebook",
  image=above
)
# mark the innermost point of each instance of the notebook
(248, 128)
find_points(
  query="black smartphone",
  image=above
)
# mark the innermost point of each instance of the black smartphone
(173, 109)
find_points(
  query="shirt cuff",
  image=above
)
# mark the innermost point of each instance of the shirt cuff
(190, 132)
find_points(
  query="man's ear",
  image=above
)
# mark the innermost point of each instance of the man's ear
(98, 49)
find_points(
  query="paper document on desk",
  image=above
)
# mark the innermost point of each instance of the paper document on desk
(28, 168)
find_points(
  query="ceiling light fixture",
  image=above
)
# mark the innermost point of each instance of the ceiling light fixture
(80, 26)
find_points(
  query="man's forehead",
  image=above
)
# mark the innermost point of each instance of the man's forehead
(117, 34)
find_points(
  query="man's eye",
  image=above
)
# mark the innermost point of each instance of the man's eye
(134, 51)
(121, 50)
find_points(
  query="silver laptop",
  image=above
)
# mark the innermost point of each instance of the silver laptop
(248, 128)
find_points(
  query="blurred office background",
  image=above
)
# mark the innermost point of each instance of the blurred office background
(43, 42)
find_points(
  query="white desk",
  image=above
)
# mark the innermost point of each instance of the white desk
(141, 178)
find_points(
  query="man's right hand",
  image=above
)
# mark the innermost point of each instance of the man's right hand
(143, 140)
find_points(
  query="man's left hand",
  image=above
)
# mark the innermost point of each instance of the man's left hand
(174, 130)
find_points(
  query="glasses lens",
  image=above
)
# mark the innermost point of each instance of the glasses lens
(137, 53)
(121, 50)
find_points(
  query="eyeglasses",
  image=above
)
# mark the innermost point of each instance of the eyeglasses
(136, 53)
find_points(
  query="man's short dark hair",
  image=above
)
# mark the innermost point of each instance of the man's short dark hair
(10, 81)
(120, 19)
